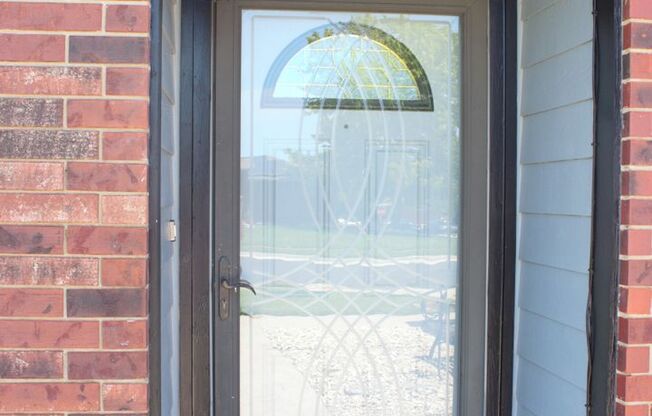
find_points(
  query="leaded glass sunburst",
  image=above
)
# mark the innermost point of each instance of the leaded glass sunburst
(348, 66)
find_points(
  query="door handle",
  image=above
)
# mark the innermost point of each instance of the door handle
(242, 284)
(223, 286)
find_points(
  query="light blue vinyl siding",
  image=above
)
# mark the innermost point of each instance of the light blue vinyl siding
(554, 206)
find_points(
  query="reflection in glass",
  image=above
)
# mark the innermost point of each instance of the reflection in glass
(349, 214)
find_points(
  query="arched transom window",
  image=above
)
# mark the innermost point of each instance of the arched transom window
(347, 66)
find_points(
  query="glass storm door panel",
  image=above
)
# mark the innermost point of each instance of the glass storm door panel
(351, 169)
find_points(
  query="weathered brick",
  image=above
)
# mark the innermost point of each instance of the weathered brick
(124, 335)
(49, 397)
(50, 80)
(637, 152)
(637, 95)
(637, 65)
(49, 334)
(31, 112)
(124, 272)
(623, 409)
(637, 124)
(636, 300)
(124, 146)
(49, 271)
(27, 239)
(31, 364)
(131, 114)
(124, 209)
(127, 81)
(635, 330)
(107, 365)
(637, 183)
(633, 359)
(50, 16)
(51, 208)
(125, 241)
(637, 35)
(48, 144)
(41, 176)
(636, 242)
(124, 397)
(637, 9)
(636, 212)
(32, 48)
(127, 18)
(106, 302)
(636, 272)
(31, 302)
(109, 49)
(112, 177)
(633, 388)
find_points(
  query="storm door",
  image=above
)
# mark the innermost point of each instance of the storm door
(350, 209)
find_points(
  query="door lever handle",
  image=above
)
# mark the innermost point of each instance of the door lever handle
(242, 284)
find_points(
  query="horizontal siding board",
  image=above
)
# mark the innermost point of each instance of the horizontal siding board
(558, 348)
(562, 80)
(530, 7)
(557, 188)
(545, 394)
(522, 411)
(561, 134)
(563, 26)
(557, 294)
(556, 240)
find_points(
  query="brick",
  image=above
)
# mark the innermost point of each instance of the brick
(124, 146)
(49, 334)
(636, 212)
(637, 152)
(633, 359)
(124, 209)
(637, 35)
(124, 272)
(50, 16)
(31, 176)
(32, 48)
(635, 330)
(637, 95)
(107, 365)
(636, 272)
(132, 114)
(49, 397)
(112, 177)
(48, 144)
(127, 18)
(127, 81)
(636, 242)
(31, 364)
(637, 9)
(50, 80)
(637, 183)
(117, 241)
(124, 335)
(49, 271)
(31, 302)
(637, 124)
(19, 239)
(125, 397)
(31, 112)
(631, 410)
(634, 388)
(636, 300)
(106, 302)
(109, 49)
(50, 208)
(637, 65)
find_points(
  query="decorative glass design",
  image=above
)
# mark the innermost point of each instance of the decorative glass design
(349, 66)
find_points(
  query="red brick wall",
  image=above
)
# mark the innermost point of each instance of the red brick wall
(634, 379)
(73, 207)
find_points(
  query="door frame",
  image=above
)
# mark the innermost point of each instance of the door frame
(196, 108)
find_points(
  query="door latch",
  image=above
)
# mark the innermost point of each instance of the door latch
(228, 281)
